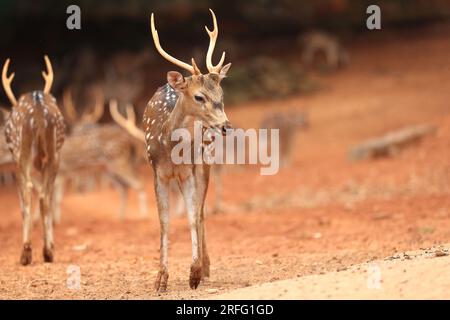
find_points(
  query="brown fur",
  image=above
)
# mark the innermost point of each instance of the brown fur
(35, 135)
(175, 106)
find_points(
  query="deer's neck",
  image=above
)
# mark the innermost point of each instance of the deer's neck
(178, 117)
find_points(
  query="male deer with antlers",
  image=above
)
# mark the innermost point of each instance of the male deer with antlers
(35, 135)
(79, 123)
(105, 149)
(178, 104)
(128, 122)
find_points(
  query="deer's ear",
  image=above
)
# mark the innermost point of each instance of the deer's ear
(176, 80)
(224, 70)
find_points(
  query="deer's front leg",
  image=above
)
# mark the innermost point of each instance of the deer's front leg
(162, 199)
(188, 189)
(25, 192)
(202, 182)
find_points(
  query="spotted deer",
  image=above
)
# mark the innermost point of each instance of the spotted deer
(128, 122)
(105, 150)
(89, 117)
(183, 100)
(78, 123)
(68, 172)
(35, 134)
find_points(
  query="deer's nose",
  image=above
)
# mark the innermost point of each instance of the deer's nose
(226, 128)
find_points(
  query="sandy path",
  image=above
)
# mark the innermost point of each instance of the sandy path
(421, 274)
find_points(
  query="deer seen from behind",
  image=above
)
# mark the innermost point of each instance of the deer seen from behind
(183, 100)
(35, 134)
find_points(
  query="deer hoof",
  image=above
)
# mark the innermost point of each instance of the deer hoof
(161, 281)
(196, 275)
(25, 257)
(48, 255)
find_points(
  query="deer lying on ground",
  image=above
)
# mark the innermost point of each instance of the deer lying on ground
(35, 134)
(175, 105)
(105, 149)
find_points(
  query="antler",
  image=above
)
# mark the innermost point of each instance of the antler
(128, 123)
(93, 116)
(212, 43)
(99, 107)
(48, 76)
(191, 68)
(71, 112)
(7, 83)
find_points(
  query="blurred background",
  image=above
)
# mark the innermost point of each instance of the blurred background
(115, 48)
(364, 120)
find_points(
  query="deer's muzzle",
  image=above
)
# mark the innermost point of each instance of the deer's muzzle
(226, 128)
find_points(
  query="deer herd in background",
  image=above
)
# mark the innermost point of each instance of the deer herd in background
(46, 157)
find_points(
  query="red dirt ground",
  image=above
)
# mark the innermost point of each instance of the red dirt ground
(321, 214)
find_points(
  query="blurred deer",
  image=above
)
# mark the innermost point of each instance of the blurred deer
(178, 104)
(88, 118)
(288, 124)
(107, 150)
(125, 75)
(318, 42)
(7, 165)
(79, 122)
(35, 135)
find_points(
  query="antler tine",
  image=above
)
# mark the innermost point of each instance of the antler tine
(99, 107)
(131, 115)
(48, 76)
(7, 83)
(167, 56)
(196, 68)
(71, 112)
(212, 43)
(126, 123)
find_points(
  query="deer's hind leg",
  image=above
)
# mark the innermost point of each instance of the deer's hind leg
(25, 193)
(124, 178)
(57, 198)
(217, 171)
(162, 199)
(46, 197)
(45, 201)
(122, 188)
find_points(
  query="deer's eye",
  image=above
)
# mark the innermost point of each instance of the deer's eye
(199, 98)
